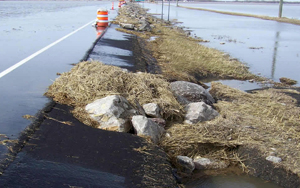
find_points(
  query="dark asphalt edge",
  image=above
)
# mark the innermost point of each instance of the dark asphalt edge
(88, 52)
(25, 136)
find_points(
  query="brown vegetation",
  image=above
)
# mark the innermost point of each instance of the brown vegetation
(264, 119)
(88, 81)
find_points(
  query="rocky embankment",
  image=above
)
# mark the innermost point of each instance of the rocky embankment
(199, 130)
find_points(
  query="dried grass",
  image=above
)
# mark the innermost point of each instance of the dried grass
(183, 58)
(88, 81)
(264, 119)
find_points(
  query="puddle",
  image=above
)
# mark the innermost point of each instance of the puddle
(230, 181)
(238, 84)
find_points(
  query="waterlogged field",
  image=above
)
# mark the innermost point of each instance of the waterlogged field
(265, 9)
(269, 48)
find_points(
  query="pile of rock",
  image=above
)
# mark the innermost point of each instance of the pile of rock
(115, 113)
(135, 18)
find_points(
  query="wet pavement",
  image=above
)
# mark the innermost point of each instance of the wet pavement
(64, 152)
(42, 23)
(114, 48)
(123, 50)
(269, 48)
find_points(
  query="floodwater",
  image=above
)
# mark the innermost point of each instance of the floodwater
(265, 9)
(230, 181)
(277, 56)
(269, 48)
(25, 28)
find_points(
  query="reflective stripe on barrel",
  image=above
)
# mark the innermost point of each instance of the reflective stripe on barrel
(102, 17)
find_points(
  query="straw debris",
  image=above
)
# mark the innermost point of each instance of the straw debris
(264, 119)
(88, 81)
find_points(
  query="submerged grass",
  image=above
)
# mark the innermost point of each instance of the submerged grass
(284, 20)
(88, 81)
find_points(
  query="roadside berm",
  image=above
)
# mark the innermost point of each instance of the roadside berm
(257, 131)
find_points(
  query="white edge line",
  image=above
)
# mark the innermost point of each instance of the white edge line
(20, 63)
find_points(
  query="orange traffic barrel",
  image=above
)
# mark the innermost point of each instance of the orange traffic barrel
(102, 17)
(112, 6)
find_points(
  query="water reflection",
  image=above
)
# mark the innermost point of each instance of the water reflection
(230, 181)
(275, 54)
(99, 30)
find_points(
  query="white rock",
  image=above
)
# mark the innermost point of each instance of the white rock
(274, 159)
(112, 112)
(152, 110)
(199, 112)
(127, 26)
(186, 163)
(146, 127)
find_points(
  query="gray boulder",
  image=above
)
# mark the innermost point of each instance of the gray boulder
(112, 112)
(146, 127)
(202, 163)
(152, 110)
(186, 164)
(199, 112)
(187, 92)
(145, 26)
(205, 163)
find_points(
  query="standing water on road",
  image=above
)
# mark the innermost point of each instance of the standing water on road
(269, 48)
(26, 27)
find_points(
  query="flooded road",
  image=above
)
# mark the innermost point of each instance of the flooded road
(269, 48)
(36, 25)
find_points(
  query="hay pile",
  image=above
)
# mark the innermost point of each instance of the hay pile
(264, 119)
(88, 81)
